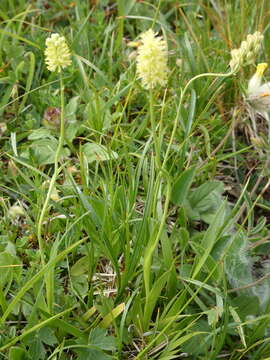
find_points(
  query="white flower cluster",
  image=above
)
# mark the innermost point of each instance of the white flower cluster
(247, 52)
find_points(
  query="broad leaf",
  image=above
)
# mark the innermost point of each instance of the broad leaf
(43, 151)
(182, 185)
(95, 152)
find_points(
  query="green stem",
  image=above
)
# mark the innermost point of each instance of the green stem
(154, 130)
(121, 20)
(53, 179)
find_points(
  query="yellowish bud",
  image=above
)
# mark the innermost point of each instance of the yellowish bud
(3, 128)
(258, 142)
(12, 168)
(16, 211)
(250, 57)
(134, 44)
(244, 46)
(54, 193)
(179, 62)
(132, 55)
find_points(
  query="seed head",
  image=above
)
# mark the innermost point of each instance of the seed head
(57, 54)
(152, 60)
(247, 52)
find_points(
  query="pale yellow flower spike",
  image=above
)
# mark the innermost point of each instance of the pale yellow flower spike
(247, 52)
(57, 53)
(152, 60)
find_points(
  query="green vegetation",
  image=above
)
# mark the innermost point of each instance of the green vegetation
(154, 241)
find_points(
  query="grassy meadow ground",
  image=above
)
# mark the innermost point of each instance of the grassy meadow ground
(155, 241)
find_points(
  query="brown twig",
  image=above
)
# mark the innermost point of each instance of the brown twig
(259, 242)
(254, 283)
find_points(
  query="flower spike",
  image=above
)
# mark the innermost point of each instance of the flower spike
(57, 53)
(152, 60)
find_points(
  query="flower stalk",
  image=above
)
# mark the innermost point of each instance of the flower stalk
(55, 174)
(57, 57)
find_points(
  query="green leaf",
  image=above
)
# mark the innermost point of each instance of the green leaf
(213, 315)
(210, 238)
(203, 191)
(44, 151)
(47, 336)
(80, 284)
(203, 203)
(95, 152)
(64, 326)
(246, 305)
(154, 294)
(8, 267)
(80, 267)
(71, 130)
(100, 339)
(36, 348)
(89, 354)
(182, 185)
(40, 133)
(71, 108)
(240, 328)
(238, 263)
(16, 353)
(108, 319)
(241, 269)
(201, 343)
(190, 115)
